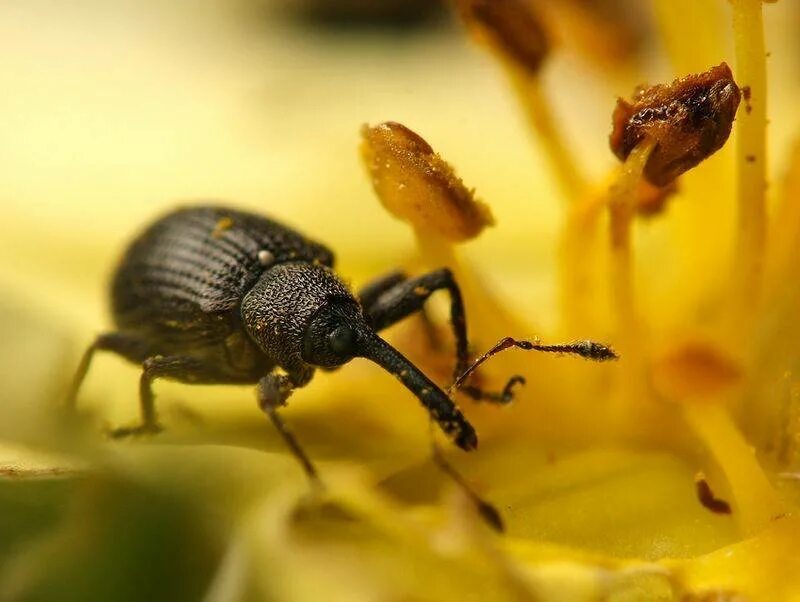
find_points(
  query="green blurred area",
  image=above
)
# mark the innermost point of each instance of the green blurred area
(97, 538)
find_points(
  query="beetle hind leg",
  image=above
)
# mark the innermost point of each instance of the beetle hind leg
(120, 343)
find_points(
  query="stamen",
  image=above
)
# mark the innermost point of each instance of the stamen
(702, 378)
(751, 154)
(579, 263)
(782, 262)
(694, 34)
(756, 501)
(621, 206)
(541, 117)
(417, 186)
(516, 36)
(579, 267)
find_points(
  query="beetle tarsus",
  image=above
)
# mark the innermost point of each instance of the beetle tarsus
(139, 430)
(485, 509)
(502, 397)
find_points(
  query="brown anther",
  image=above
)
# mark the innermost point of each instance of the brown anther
(354, 13)
(607, 32)
(707, 497)
(651, 200)
(416, 185)
(689, 119)
(511, 27)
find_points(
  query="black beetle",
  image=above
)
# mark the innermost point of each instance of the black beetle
(213, 295)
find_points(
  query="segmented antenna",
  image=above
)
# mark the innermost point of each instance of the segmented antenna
(589, 350)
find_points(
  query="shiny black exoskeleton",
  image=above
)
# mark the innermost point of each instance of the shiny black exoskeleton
(213, 295)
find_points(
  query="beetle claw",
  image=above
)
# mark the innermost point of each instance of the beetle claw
(134, 431)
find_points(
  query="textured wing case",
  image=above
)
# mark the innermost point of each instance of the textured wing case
(180, 279)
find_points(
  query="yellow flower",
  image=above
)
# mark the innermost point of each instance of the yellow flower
(669, 475)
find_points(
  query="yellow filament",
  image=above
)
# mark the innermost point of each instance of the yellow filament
(756, 503)
(540, 116)
(751, 156)
(579, 265)
(694, 35)
(622, 205)
(784, 230)
(485, 315)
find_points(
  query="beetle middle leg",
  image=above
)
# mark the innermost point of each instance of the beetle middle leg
(393, 298)
(175, 367)
(273, 391)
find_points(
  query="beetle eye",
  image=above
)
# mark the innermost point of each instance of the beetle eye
(341, 340)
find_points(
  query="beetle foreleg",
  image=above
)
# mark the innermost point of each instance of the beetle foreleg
(372, 290)
(409, 296)
(393, 297)
(273, 391)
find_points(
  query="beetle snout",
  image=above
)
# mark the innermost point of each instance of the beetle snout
(441, 408)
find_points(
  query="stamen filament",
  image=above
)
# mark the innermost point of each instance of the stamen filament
(486, 315)
(622, 203)
(751, 156)
(579, 265)
(784, 230)
(539, 113)
(757, 503)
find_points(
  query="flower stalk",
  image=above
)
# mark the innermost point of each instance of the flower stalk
(515, 34)
(539, 113)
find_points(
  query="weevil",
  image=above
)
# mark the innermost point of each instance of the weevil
(212, 295)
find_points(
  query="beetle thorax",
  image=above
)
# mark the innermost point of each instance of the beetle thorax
(276, 312)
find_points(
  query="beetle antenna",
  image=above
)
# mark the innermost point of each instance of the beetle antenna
(487, 511)
(589, 350)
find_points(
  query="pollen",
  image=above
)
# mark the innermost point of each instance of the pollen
(416, 185)
(223, 224)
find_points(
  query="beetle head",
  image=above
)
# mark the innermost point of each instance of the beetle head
(301, 315)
